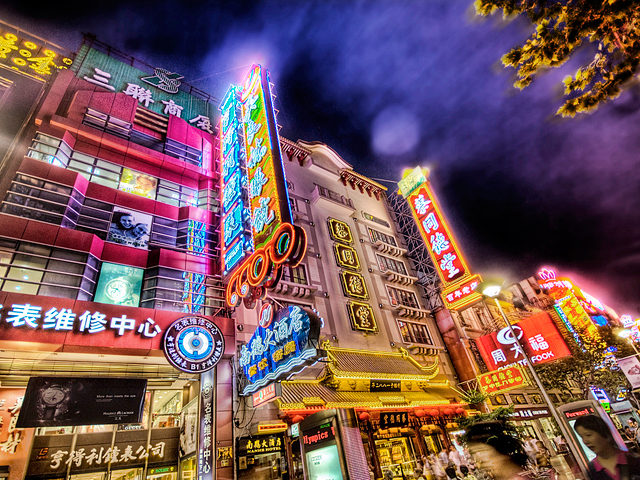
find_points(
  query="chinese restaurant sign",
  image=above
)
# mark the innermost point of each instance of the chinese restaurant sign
(287, 340)
(159, 92)
(259, 180)
(394, 419)
(353, 285)
(446, 255)
(538, 335)
(29, 55)
(502, 380)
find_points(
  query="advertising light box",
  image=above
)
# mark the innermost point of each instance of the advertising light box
(119, 285)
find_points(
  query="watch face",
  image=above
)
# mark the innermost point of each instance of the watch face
(53, 395)
(118, 289)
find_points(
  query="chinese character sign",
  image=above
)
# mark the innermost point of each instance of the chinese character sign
(286, 341)
(537, 334)
(462, 293)
(577, 316)
(502, 380)
(206, 460)
(266, 181)
(14, 441)
(444, 252)
(393, 419)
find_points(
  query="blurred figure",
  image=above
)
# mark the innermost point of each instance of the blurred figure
(454, 456)
(543, 457)
(444, 457)
(497, 451)
(452, 473)
(610, 463)
(436, 467)
(417, 474)
(464, 470)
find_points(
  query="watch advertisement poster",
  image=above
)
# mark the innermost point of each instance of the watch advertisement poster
(119, 285)
(130, 228)
(69, 401)
(138, 183)
(189, 428)
(14, 442)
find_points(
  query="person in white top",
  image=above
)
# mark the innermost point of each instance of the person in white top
(444, 457)
(454, 456)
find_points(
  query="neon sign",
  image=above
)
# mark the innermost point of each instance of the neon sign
(444, 252)
(577, 316)
(288, 342)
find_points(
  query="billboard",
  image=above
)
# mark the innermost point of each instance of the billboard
(68, 401)
(503, 380)
(630, 366)
(138, 183)
(434, 229)
(119, 285)
(282, 342)
(130, 228)
(538, 335)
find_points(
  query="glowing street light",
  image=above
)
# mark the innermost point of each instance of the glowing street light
(626, 333)
(492, 288)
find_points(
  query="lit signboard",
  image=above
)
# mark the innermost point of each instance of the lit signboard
(362, 317)
(444, 252)
(577, 316)
(138, 183)
(287, 342)
(353, 285)
(119, 285)
(502, 380)
(340, 231)
(346, 256)
(267, 394)
(193, 344)
(254, 194)
(29, 55)
(538, 336)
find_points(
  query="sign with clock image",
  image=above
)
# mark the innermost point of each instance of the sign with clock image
(119, 285)
(193, 344)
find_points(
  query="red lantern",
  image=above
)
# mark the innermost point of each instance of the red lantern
(460, 411)
(297, 419)
(434, 412)
(448, 411)
(364, 416)
(420, 413)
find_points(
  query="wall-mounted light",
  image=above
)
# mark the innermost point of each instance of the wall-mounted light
(361, 240)
(318, 255)
(380, 305)
(334, 338)
(370, 270)
(240, 327)
(326, 294)
(393, 344)
(312, 224)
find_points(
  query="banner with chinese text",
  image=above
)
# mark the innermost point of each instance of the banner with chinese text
(502, 380)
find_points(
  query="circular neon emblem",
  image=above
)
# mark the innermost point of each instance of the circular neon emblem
(193, 344)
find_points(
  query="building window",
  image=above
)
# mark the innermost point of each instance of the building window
(107, 123)
(377, 236)
(390, 264)
(413, 332)
(293, 204)
(49, 149)
(336, 197)
(38, 270)
(183, 152)
(371, 218)
(295, 275)
(398, 296)
(175, 194)
(96, 170)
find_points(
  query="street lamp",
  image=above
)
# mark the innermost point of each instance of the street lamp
(626, 333)
(492, 288)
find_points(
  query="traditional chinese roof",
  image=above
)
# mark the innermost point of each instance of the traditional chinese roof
(349, 363)
(363, 183)
(294, 150)
(313, 395)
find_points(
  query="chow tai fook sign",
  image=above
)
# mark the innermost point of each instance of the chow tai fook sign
(502, 380)
(537, 334)
(283, 342)
(254, 194)
(446, 255)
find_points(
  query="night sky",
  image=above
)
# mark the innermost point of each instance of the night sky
(393, 84)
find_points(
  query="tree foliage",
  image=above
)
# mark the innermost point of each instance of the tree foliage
(561, 27)
(589, 365)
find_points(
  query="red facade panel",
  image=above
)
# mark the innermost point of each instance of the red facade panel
(121, 254)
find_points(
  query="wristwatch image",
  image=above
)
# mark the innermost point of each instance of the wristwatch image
(52, 398)
(118, 289)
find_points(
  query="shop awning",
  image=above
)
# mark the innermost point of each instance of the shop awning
(313, 395)
(348, 363)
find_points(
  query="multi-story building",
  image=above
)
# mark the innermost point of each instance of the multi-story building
(108, 221)
(385, 357)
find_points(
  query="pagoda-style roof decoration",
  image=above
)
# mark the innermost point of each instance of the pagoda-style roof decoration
(294, 150)
(350, 363)
(312, 395)
(364, 184)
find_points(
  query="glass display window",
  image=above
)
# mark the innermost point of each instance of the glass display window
(189, 468)
(396, 455)
(127, 474)
(166, 408)
(89, 476)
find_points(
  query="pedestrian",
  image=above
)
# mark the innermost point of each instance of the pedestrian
(436, 466)
(497, 451)
(444, 457)
(464, 470)
(451, 472)
(454, 456)
(610, 463)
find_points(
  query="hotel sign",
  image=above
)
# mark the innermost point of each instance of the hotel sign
(286, 343)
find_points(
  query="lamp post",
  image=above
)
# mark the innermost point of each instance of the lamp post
(626, 333)
(492, 290)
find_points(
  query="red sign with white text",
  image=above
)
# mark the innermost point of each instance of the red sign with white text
(462, 293)
(538, 335)
(435, 232)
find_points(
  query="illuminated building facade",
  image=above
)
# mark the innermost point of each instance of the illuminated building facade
(384, 355)
(110, 269)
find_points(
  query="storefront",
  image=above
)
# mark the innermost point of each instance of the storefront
(404, 410)
(262, 457)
